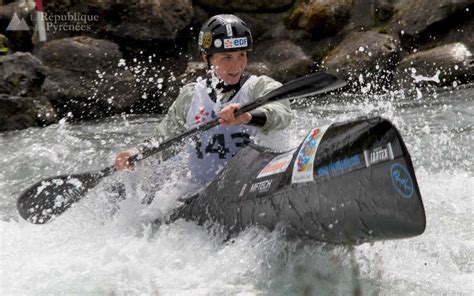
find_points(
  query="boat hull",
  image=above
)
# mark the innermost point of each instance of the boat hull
(362, 188)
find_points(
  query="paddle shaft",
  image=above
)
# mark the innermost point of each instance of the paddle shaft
(298, 88)
(52, 196)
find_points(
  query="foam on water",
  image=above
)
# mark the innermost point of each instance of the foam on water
(107, 245)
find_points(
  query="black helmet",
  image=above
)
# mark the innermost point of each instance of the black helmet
(224, 33)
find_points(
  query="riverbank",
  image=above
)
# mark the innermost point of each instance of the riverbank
(106, 58)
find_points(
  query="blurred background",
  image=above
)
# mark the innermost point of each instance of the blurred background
(102, 58)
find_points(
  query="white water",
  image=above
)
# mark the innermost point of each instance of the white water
(97, 248)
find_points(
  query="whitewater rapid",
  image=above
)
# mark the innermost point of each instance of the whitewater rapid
(105, 246)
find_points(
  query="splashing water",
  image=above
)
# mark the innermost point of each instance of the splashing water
(106, 244)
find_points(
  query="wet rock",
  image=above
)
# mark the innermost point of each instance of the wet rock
(444, 65)
(80, 53)
(318, 50)
(245, 5)
(158, 20)
(271, 26)
(21, 74)
(366, 59)
(261, 23)
(284, 60)
(199, 17)
(23, 112)
(84, 79)
(150, 20)
(90, 95)
(414, 17)
(322, 18)
(361, 15)
(457, 28)
(111, 87)
(383, 10)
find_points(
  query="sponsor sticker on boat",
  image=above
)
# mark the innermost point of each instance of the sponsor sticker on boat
(401, 180)
(378, 154)
(277, 165)
(340, 166)
(303, 167)
(262, 186)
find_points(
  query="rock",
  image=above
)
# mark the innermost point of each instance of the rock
(90, 95)
(444, 65)
(270, 26)
(245, 5)
(150, 20)
(199, 17)
(84, 79)
(456, 28)
(361, 16)
(366, 56)
(383, 10)
(157, 20)
(319, 49)
(414, 17)
(321, 17)
(283, 59)
(23, 112)
(83, 54)
(21, 74)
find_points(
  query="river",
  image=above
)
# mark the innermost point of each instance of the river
(106, 247)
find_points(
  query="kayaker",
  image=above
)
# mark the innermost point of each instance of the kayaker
(224, 42)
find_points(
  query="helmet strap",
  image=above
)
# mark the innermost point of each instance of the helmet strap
(208, 60)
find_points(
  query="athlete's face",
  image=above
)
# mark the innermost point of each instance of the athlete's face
(229, 66)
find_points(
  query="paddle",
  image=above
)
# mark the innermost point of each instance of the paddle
(52, 196)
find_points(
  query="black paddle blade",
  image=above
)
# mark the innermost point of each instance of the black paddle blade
(52, 196)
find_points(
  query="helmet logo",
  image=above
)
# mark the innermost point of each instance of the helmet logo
(229, 30)
(235, 42)
(200, 37)
(207, 40)
(217, 43)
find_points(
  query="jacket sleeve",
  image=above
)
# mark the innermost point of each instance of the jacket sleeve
(174, 121)
(279, 114)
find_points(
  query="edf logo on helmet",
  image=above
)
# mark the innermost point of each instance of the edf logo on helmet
(235, 42)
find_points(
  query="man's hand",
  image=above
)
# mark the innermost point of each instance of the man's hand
(122, 160)
(227, 115)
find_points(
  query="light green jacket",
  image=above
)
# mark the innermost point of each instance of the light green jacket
(279, 114)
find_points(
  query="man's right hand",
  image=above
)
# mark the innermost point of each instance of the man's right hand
(122, 159)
